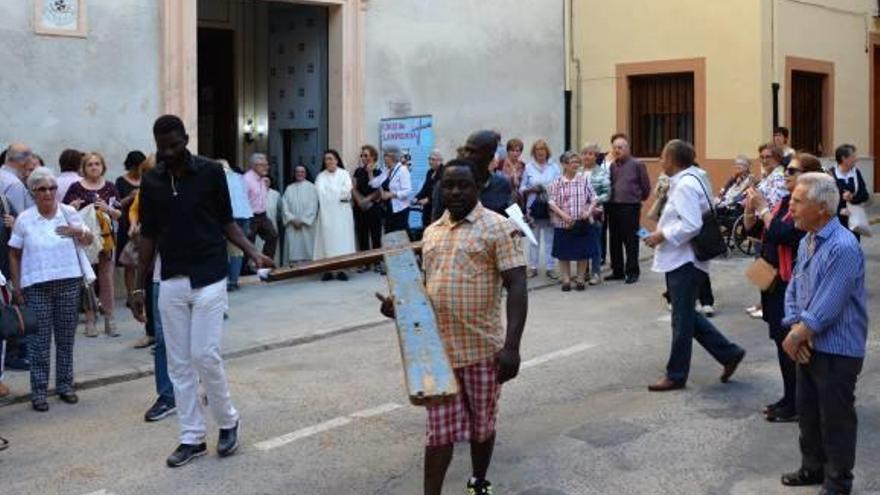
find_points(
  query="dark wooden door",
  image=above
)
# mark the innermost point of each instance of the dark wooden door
(218, 120)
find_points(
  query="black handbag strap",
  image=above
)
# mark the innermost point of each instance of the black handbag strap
(708, 198)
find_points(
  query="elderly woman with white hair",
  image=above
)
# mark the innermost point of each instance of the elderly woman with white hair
(47, 268)
(733, 194)
(396, 186)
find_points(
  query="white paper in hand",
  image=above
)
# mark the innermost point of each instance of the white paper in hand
(515, 215)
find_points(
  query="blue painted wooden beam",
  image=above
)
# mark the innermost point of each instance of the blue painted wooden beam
(427, 371)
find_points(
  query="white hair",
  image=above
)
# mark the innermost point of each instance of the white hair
(436, 152)
(590, 146)
(393, 150)
(257, 158)
(822, 190)
(40, 175)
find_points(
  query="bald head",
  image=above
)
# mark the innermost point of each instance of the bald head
(18, 156)
(480, 149)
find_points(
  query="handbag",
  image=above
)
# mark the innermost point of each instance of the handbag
(540, 207)
(709, 242)
(580, 227)
(858, 220)
(16, 321)
(88, 298)
(761, 274)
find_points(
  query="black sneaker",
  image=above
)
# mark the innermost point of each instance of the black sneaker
(479, 487)
(228, 442)
(159, 411)
(186, 452)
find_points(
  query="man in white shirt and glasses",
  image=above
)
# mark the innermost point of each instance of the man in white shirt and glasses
(680, 222)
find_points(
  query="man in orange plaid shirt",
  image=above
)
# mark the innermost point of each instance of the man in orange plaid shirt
(469, 255)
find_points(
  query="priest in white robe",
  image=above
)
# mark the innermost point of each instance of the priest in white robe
(299, 210)
(334, 234)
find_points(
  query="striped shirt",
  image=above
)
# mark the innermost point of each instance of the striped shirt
(463, 262)
(827, 291)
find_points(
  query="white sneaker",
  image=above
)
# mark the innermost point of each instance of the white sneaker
(757, 314)
(708, 311)
(751, 309)
(596, 280)
(698, 308)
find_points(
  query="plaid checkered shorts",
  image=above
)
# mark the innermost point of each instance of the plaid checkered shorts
(470, 415)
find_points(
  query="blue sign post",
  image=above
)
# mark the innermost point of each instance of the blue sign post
(413, 135)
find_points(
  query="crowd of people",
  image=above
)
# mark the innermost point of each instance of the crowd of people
(179, 228)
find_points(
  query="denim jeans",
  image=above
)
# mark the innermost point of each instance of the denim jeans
(683, 284)
(237, 260)
(164, 387)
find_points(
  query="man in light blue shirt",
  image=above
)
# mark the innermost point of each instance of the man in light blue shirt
(826, 307)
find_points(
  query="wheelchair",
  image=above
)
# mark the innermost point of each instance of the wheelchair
(731, 218)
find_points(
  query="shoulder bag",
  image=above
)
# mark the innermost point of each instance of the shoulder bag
(88, 298)
(709, 242)
(858, 217)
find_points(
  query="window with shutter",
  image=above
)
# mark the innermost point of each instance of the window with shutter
(661, 108)
(807, 111)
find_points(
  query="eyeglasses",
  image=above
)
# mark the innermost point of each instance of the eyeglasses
(45, 189)
(793, 170)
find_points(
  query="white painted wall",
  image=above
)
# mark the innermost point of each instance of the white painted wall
(49, 99)
(492, 64)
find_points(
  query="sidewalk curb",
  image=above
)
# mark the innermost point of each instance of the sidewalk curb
(116, 376)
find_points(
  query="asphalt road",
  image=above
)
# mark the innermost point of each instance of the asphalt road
(331, 416)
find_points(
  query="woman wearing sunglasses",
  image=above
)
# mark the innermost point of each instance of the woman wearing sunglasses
(47, 268)
(779, 246)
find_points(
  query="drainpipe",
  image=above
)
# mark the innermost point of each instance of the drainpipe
(575, 63)
(775, 88)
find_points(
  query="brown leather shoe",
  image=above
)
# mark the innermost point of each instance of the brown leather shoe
(665, 385)
(730, 368)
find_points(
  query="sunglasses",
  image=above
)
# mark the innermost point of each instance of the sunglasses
(45, 189)
(793, 170)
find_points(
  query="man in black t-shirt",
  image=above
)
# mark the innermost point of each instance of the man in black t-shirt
(186, 217)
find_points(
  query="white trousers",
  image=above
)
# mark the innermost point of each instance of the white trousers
(543, 230)
(192, 324)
